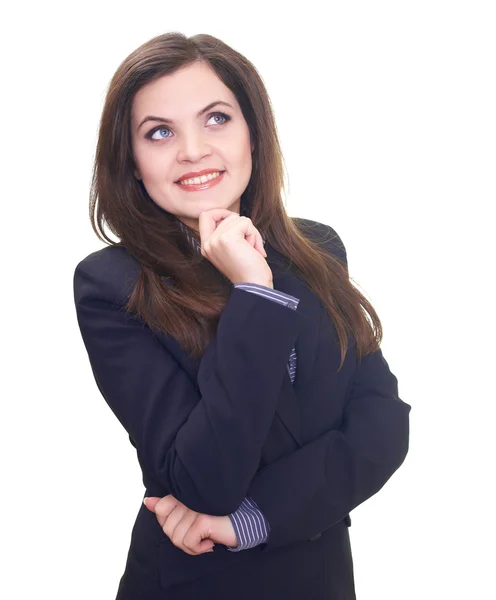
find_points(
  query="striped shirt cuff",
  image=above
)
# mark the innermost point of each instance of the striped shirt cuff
(267, 292)
(250, 526)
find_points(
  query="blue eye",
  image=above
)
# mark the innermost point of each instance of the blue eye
(150, 135)
(154, 131)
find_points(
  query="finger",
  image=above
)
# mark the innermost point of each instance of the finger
(173, 520)
(251, 238)
(181, 529)
(205, 546)
(220, 229)
(164, 507)
(150, 502)
(197, 538)
(200, 546)
(260, 246)
(254, 237)
(224, 224)
(209, 219)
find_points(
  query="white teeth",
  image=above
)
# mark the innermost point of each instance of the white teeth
(202, 179)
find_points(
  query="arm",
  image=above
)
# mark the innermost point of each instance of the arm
(249, 524)
(316, 486)
(201, 442)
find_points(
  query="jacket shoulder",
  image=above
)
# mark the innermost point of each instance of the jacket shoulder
(323, 235)
(110, 271)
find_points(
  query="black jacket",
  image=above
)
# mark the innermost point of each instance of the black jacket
(231, 425)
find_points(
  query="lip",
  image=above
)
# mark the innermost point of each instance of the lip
(192, 174)
(198, 187)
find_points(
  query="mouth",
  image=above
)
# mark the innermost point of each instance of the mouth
(203, 179)
(197, 184)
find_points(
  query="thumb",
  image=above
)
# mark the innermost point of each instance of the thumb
(150, 502)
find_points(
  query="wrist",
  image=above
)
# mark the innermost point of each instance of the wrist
(266, 282)
(269, 284)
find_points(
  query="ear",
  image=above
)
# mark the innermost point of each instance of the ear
(137, 174)
(252, 147)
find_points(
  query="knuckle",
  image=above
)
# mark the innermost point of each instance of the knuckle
(179, 544)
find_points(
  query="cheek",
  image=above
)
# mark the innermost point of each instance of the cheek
(152, 166)
(238, 146)
(240, 155)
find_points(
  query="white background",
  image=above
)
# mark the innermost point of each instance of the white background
(386, 114)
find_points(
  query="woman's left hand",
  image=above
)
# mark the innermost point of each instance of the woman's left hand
(194, 533)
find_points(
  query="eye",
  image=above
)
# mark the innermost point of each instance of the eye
(162, 128)
(222, 115)
(151, 134)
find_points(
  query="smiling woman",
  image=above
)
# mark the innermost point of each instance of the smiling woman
(229, 340)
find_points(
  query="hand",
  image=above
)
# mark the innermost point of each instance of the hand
(192, 532)
(234, 246)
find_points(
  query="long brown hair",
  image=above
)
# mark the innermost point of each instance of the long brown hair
(189, 310)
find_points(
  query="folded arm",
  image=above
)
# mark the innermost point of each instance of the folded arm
(202, 441)
(315, 487)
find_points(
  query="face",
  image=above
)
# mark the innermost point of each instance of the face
(177, 141)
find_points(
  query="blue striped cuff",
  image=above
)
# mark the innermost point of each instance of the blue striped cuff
(267, 292)
(250, 526)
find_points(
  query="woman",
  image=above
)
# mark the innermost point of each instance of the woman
(228, 340)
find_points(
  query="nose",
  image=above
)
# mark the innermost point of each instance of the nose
(193, 146)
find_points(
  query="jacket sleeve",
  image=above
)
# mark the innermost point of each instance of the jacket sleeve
(316, 486)
(202, 441)
(250, 525)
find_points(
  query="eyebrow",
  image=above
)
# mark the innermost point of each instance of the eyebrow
(202, 111)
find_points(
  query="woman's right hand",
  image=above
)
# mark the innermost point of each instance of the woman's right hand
(223, 243)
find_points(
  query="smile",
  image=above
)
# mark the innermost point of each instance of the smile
(201, 183)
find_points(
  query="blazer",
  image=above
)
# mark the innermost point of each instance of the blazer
(231, 425)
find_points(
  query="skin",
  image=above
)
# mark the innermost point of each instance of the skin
(194, 533)
(191, 143)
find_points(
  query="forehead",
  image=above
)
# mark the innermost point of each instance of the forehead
(181, 94)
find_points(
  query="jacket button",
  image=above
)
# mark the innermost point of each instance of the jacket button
(315, 537)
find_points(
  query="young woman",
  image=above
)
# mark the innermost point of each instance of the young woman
(229, 340)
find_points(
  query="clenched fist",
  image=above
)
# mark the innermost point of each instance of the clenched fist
(234, 246)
